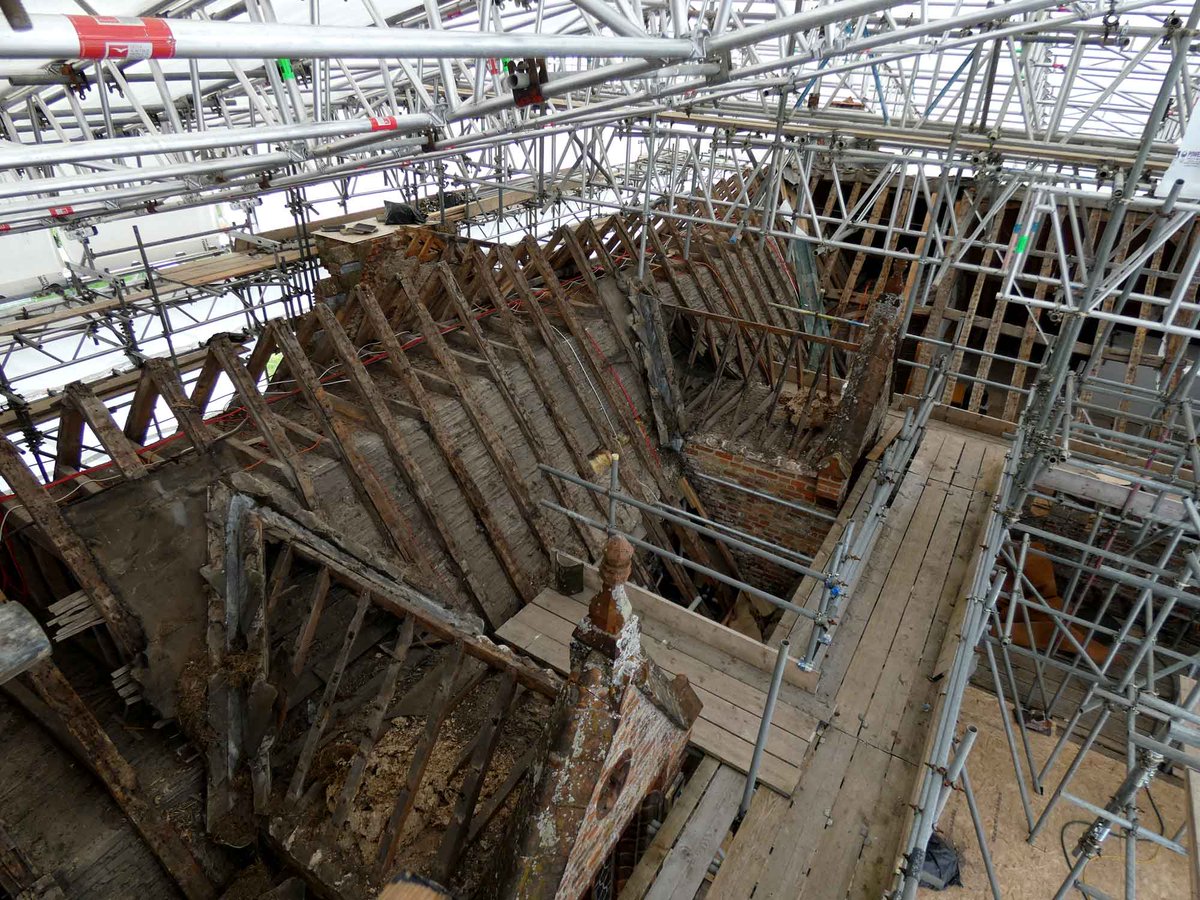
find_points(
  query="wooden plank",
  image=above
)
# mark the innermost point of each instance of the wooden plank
(857, 608)
(795, 842)
(95, 413)
(870, 655)
(877, 863)
(686, 865)
(738, 875)
(946, 462)
(683, 621)
(808, 591)
(899, 677)
(546, 636)
(716, 680)
(986, 487)
(642, 878)
(967, 470)
(837, 853)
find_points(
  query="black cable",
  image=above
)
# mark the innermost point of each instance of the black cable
(1062, 838)
(1062, 834)
(1162, 826)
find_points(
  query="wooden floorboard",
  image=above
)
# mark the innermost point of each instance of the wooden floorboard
(850, 756)
(687, 863)
(841, 832)
(731, 711)
(681, 811)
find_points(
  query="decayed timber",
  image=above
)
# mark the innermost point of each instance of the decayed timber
(121, 780)
(324, 708)
(392, 523)
(100, 420)
(523, 417)
(400, 453)
(400, 365)
(170, 388)
(629, 421)
(374, 727)
(553, 405)
(70, 547)
(264, 420)
(439, 709)
(485, 427)
(359, 569)
(456, 833)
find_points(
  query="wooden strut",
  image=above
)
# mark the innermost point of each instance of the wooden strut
(400, 366)
(553, 404)
(401, 454)
(375, 716)
(170, 388)
(141, 408)
(264, 420)
(125, 630)
(485, 427)
(390, 521)
(439, 709)
(523, 417)
(358, 568)
(324, 712)
(99, 419)
(617, 403)
(454, 839)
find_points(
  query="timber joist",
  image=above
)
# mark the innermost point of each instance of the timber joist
(275, 572)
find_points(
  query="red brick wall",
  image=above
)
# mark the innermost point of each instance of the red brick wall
(789, 528)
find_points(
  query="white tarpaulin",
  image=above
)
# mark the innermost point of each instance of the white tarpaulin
(1186, 164)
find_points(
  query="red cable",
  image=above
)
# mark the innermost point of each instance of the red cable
(240, 410)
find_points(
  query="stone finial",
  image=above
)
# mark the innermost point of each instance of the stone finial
(614, 571)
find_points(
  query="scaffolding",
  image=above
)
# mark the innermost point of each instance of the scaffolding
(1025, 144)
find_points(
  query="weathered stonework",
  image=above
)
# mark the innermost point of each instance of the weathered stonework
(619, 730)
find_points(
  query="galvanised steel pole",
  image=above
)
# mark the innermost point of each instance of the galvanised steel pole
(98, 37)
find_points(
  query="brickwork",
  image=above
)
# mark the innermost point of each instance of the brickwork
(782, 478)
